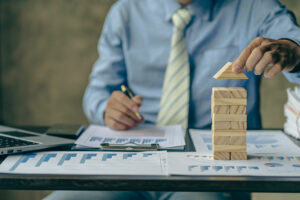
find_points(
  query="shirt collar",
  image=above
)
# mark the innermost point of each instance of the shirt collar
(200, 8)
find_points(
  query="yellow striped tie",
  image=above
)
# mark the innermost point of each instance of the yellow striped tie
(174, 104)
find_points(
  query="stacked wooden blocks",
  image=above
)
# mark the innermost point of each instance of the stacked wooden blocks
(229, 118)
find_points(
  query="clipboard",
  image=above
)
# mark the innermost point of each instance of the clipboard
(125, 147)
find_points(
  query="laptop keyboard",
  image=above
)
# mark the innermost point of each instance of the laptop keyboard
(13, 142)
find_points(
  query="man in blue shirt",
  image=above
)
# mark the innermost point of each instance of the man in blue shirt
(136, 42)
(136, 47)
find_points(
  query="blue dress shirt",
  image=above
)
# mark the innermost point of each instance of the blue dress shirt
(135, 45)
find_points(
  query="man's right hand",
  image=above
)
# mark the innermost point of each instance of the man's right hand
(120, 111)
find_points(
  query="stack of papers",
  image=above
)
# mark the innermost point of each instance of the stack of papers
(167, 137)
(292, 113)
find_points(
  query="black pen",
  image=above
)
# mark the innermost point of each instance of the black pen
(129, 94)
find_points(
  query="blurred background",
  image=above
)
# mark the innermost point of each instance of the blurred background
(47, 50)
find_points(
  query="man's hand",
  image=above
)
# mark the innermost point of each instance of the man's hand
(268, 56)
(120, 111)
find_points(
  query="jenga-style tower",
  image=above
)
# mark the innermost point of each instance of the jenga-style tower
(229, 118)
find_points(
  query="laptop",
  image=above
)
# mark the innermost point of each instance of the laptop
(13, 140)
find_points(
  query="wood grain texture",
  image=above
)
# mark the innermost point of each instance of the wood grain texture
(238, 156)
(229, 148)
(229, 125)
(237, 109)
(232, 92)
(229, 117)
(219, 140)
(226, 73)
(230, 101)
(238, 140)
(229, 132)
(221, 155)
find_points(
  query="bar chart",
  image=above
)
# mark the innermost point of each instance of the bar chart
(78, 162)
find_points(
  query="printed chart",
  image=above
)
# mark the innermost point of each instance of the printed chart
(258, 142)
(199, 164)
(98, 163)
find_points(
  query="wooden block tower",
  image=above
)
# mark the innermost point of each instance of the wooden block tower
(229, 118)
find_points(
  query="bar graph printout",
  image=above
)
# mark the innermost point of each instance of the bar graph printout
(84, 163)
(262, 142)
(203, 165)
(167, 136)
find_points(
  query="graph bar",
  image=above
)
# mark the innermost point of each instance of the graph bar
(87, 156)
(107, 156)
(23, 159)
(240, 168)
(135, 140)
(65, 157)
(121, 140)
(128, 155)
(227, 168)
(94, 139)
(147, 154)
(217, 168)
(147, 141)
(204, 168)
(108, 140)
(191, 167)
(45, 158)
(160, 140)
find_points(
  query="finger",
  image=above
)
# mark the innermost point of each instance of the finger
(264, 62)
(123, 109)
(240, 62)
(115, 124)
(123, 99)
(255, 56)
(120, 117)
(277, 68)
(138, 100)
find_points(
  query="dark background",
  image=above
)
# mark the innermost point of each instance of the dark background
(47, 49)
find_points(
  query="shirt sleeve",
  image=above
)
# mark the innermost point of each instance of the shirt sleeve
(276, 22)
(109, 71)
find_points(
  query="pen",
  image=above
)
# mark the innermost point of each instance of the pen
(129, 94)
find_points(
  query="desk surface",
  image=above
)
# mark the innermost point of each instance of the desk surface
(149, 183)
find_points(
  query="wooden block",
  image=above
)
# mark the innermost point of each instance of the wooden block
(238, 140)
(229, 148)
(229, 125)
(221, 110)
(221, 140)
(226, 73)
(232, 92)
(238, 156)
(241, 133)
(229, 117)
(237, 109)
(230, 101)
(221, 155)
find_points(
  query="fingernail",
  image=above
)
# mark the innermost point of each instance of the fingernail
(236, 68)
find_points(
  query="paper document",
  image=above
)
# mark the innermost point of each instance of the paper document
(167, 136)
(84, 163)
(199, 164)
(266, 142)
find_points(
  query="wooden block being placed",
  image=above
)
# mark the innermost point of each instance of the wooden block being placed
(229, 148)
(238, 140)
(216, 140)
(229, 117)
(221, 155)
(226, 73)
(238, 156)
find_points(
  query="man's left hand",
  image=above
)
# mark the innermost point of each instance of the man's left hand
(268, 56)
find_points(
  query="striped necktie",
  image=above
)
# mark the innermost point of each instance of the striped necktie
(174, 104)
